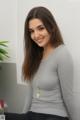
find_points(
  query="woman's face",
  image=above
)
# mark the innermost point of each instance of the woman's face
(39, 33)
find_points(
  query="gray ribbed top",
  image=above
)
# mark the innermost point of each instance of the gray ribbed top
(48, 86)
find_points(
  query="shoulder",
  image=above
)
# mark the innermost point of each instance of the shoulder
(63, 55)
(63, 51)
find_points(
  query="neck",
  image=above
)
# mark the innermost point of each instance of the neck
(47, 51)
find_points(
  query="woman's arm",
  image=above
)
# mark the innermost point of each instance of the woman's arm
(65, 72)
(28, 99)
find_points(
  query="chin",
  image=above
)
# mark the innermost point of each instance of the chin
(40, 45)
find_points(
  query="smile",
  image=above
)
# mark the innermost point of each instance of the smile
(39, 41)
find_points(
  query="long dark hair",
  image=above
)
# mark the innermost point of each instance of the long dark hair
(34, 53)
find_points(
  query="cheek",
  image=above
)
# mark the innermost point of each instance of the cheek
(31, 36)
(47, 34)
(47, 37)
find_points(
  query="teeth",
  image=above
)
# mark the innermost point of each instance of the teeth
(39, 40)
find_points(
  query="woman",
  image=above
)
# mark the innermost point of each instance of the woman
(47, 68)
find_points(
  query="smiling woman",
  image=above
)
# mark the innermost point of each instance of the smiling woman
(47, 68)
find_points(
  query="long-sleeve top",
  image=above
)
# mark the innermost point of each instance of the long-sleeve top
(51, 88)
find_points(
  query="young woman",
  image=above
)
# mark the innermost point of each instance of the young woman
(47, 68)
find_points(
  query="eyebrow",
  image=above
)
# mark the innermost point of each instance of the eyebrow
(36, 27)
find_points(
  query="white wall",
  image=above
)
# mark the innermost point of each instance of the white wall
(8, 26)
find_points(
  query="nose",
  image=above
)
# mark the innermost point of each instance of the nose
(36, 34)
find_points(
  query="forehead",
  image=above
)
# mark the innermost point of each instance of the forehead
(33, 23)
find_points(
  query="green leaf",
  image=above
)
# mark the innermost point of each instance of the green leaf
(4, 45)
(3, 51)
(3, 42)
(1, 57)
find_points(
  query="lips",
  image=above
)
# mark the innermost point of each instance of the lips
(39, 40)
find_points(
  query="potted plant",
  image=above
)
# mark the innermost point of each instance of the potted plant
(3, 50)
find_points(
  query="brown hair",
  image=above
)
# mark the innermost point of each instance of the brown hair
(34, 53)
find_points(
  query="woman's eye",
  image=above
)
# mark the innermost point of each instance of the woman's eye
(31, 31)
(41, 28)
